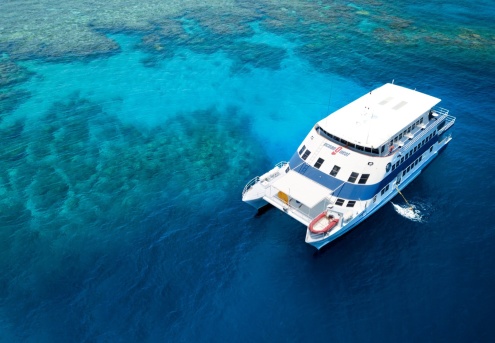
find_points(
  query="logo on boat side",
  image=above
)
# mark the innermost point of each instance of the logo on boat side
(336, 150)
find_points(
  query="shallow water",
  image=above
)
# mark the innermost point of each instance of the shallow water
(129, 132)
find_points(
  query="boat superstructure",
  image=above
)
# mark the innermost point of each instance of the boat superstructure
(354, 161)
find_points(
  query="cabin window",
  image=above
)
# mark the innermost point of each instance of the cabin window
(393, 167)
(403, 173)
(367, 149)
(421, 120)
(351, 203)
(402, 159)
(363, 179)
(319, 163)
(339, 202)
(431, 149)
(306, 154)
(383, 148)
(415, 148)
(375, 151)
(335, 170)
(408, 169)
(420, 158)
(302, 149)
(353, 177)
(400, 136)
(374, 198)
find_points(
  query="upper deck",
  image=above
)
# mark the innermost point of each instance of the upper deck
(375, 118)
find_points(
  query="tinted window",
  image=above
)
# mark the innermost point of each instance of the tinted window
(335, 170)
(339, 202)
(353, 177)
(319, 163)
(363, 179)
(306, 154)
(302, 149)
(351, 203)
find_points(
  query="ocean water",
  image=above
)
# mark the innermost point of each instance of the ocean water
(129, 130)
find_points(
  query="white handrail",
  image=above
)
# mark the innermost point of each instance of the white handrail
(256, 179)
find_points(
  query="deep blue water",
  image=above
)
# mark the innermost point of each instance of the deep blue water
(128, 133)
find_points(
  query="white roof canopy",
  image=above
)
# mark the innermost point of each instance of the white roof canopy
(379, 115)
(301, 188)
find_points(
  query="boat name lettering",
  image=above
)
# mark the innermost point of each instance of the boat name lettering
(336, 149)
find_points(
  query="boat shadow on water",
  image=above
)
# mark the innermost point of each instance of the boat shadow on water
(262, 210)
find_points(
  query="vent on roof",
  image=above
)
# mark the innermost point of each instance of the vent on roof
(400, 105)
(383, 102)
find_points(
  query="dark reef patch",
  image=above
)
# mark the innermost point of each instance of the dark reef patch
(80, 178)
(11, 76)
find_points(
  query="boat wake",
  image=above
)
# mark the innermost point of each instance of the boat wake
(410, 212)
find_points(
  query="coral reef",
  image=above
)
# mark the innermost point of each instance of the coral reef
(11, 75)
(82, 165)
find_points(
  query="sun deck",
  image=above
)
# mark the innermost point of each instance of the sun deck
(375, 118)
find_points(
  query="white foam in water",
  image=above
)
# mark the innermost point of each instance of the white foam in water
(409, 212)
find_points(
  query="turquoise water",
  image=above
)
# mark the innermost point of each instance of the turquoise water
(129, 132)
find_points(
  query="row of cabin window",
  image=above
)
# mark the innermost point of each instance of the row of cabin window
(384, 189)
(349, 144)
(335, 170)
(412, 151)
(406, 131)
(412, 165)
(340, 202)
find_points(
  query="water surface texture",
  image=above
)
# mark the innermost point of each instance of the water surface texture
(129, 129)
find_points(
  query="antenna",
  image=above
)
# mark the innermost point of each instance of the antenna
(393, 81)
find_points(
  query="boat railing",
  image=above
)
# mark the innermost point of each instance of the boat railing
(441, 111)
(250, 184)
(449, 121)
(281, 164)
(256, 179)
(419, 136)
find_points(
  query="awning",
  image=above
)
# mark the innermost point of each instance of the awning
(302, 189)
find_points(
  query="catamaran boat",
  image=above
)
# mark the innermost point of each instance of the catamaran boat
(354, 161)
